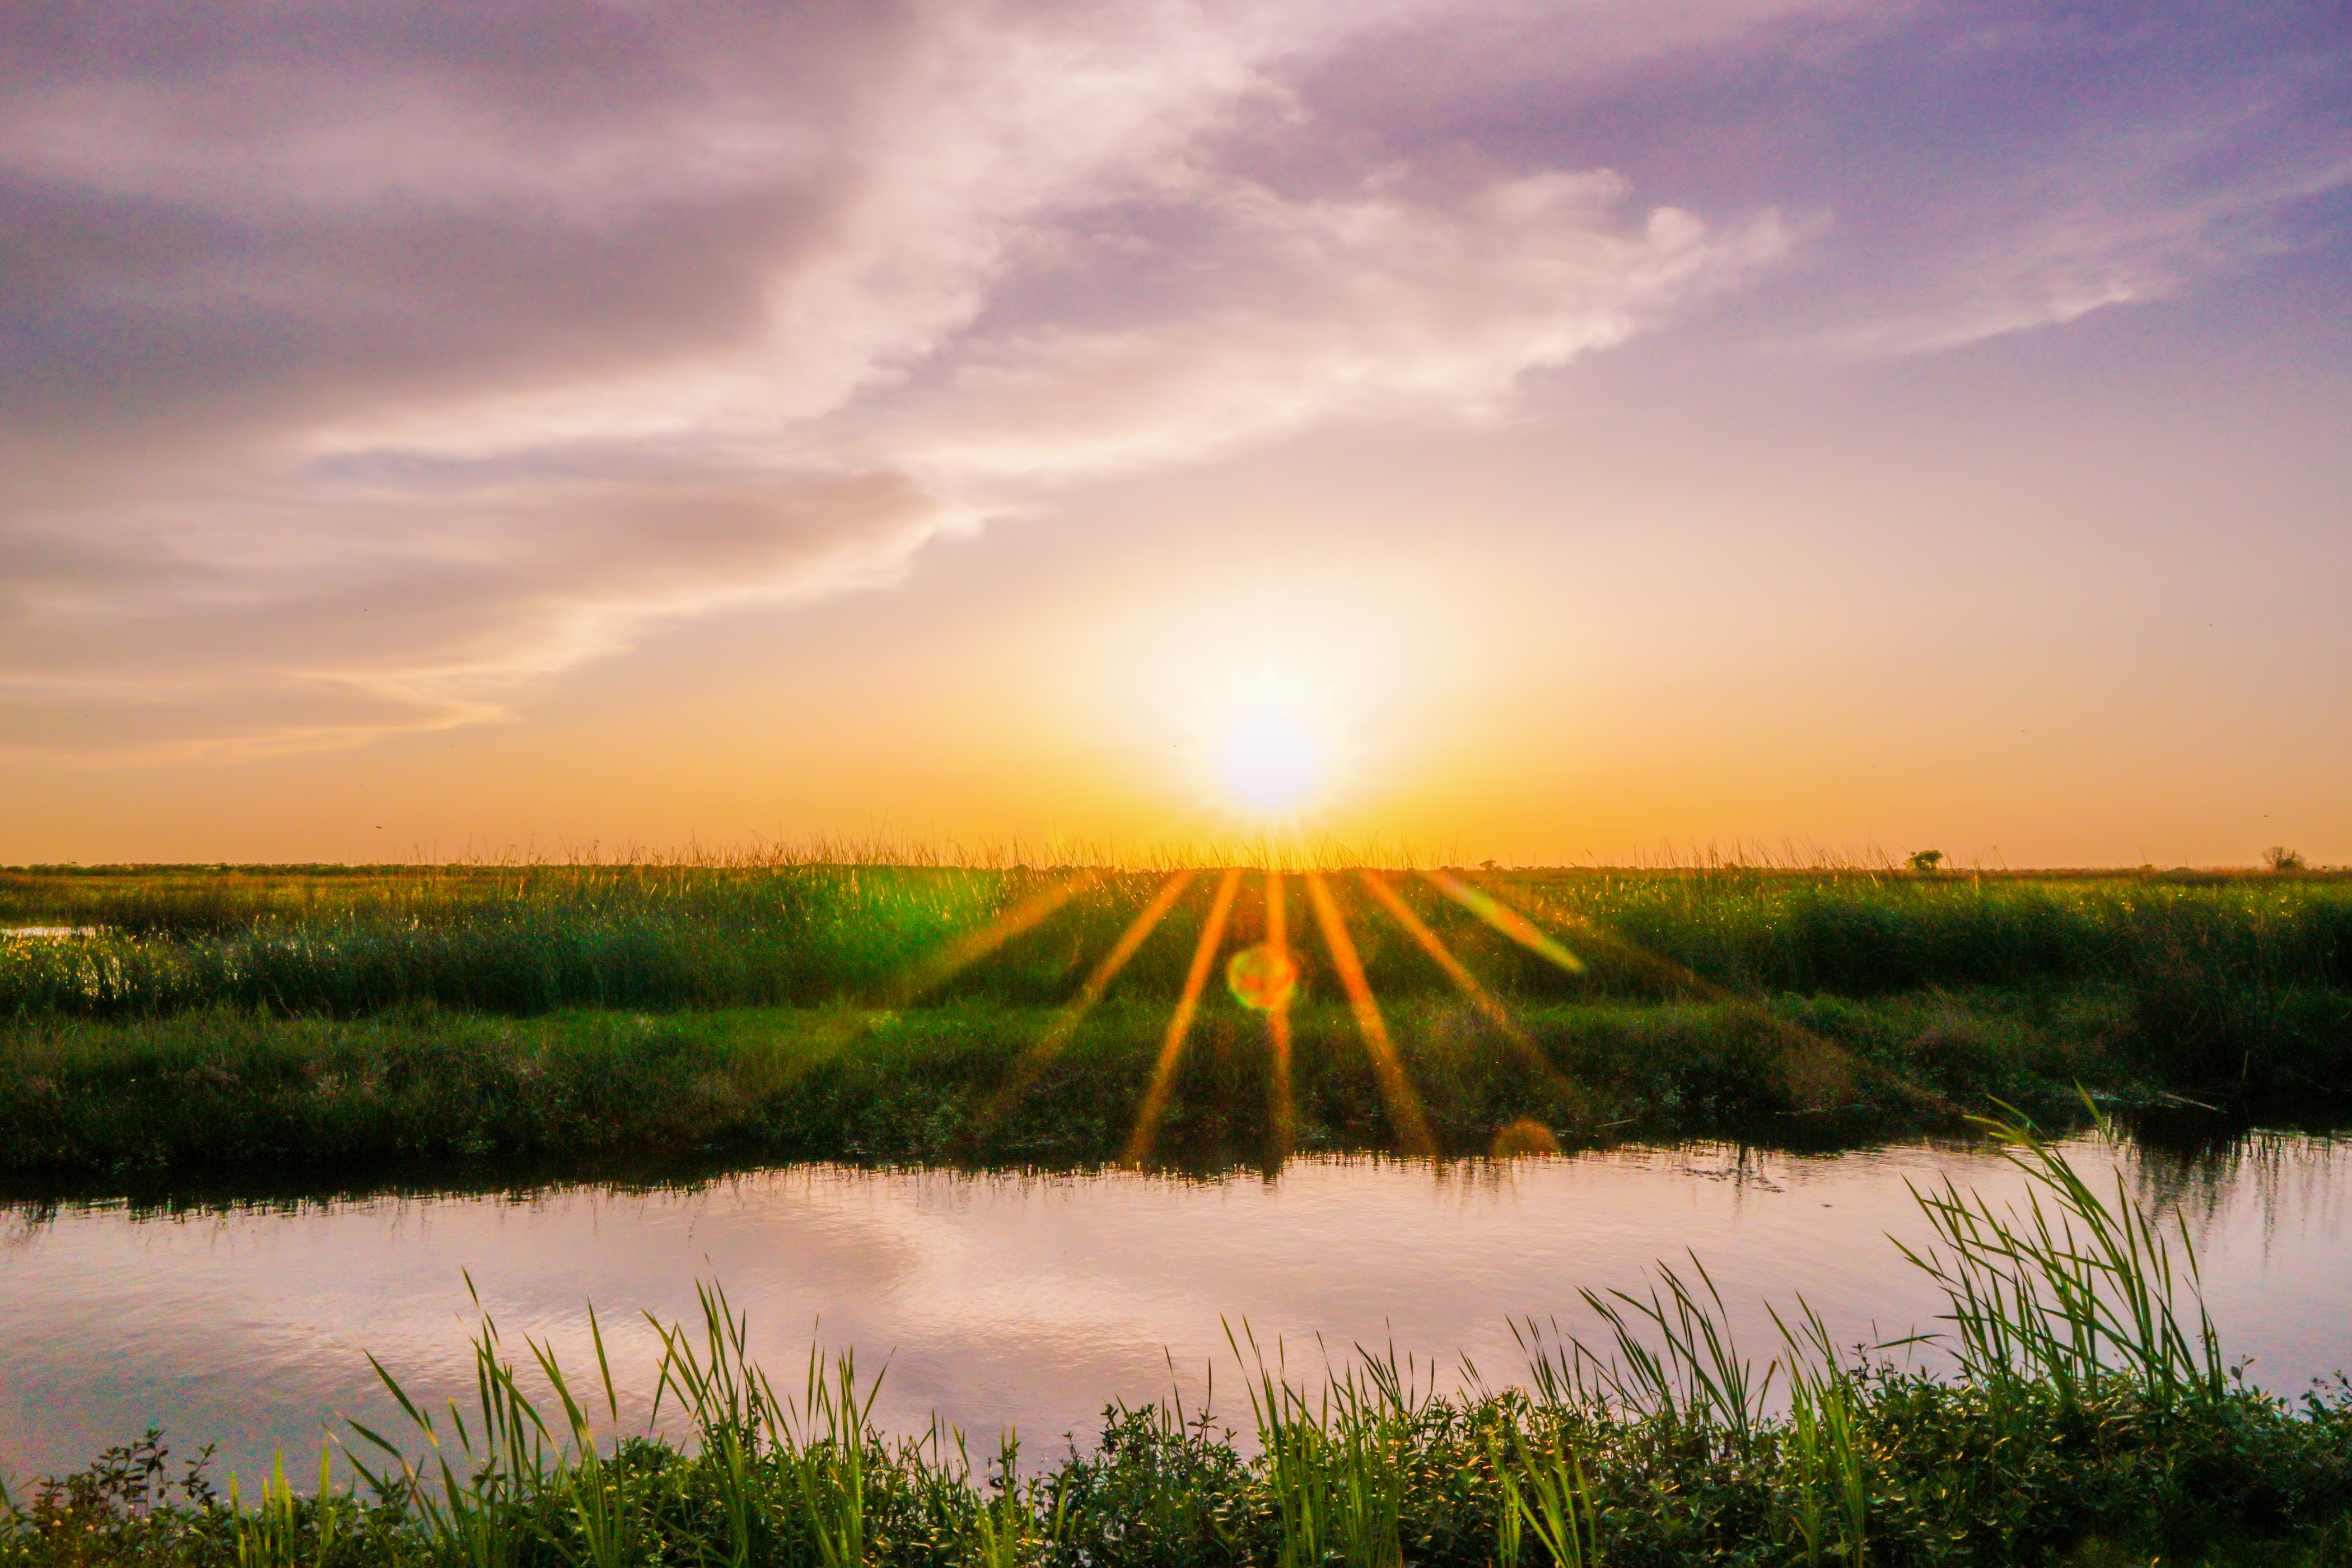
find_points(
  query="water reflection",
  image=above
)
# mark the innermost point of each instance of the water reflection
(2286, 1175)
(1033, 1298)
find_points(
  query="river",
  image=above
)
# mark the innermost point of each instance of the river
(1031, 1299)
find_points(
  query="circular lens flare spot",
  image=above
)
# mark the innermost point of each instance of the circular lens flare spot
(1262, 977)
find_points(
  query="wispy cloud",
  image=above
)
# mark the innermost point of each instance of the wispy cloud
(1386, 300)
(378, 370)
(2126, 220)
(365, 365)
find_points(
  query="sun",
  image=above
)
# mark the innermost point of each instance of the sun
(1272, 749)
(1269, 762)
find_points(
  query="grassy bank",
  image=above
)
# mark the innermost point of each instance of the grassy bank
(219, 1090)
(2089, 1418)
(212, 1018)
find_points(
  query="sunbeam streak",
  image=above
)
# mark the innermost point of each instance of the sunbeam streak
(1065, 1023)
(1172, 1048)
(937, 968)
(1467, 983)
(968, 949)
(1404, 1106)
(1281, 1110)
(1504, 918)
(1813, 1068)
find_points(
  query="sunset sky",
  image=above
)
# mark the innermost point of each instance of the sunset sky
(1547, 432)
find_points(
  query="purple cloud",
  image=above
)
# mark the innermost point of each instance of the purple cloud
(363, 365)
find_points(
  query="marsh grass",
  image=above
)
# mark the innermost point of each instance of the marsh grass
(763, 1008)
(420, 1090)
(524, 939)
(1657, 1444)
(2070, 1290)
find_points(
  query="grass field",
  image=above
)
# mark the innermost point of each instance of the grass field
(202, 1017)
(2089, 1416)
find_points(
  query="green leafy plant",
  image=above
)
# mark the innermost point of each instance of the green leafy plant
(2070, 1288)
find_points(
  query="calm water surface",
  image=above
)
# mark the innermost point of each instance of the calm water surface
(1031, 1300)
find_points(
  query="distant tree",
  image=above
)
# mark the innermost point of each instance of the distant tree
(2279, 858)
(1926, 859)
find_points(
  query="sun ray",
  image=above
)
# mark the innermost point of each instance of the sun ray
(1405, 1114)
(964, 950)
(1504, 918)
(1282, 1111)
(1172, 1048)
(1813, 1066)
(1530, 1054)
(937, 968)
(1057, 1034)
(1630, 953)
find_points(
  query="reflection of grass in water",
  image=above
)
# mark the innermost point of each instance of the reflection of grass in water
(2091, 1420)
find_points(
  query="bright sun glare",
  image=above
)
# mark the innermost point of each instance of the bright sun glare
(1269, 761)
(1270, 746)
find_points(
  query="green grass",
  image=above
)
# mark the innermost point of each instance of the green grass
(528, 940)
(2091, 1420)
(423, 1088)
(297, 1015)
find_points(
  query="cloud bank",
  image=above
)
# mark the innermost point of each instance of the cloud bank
(364, 365)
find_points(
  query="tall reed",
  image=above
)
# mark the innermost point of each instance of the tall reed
(2070, 1288)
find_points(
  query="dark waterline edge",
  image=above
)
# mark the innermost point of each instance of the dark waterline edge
(2184, 1135)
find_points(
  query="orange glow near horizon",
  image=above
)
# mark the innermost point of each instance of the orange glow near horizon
(880, 481)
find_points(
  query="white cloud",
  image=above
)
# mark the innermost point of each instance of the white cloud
(328, 617)
(2127, 216)
(1379, 302)
(384, 383)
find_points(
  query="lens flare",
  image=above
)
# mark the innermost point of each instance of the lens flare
(1504, 918)
(1030, 1062)
(1406, 1118)
(1281, 1108)
(972, 946)
(1530, 1054)
(1263, 977)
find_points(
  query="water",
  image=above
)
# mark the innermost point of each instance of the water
(1030, 1299)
